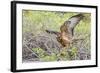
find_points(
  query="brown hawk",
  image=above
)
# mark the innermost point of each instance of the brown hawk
(65, 36)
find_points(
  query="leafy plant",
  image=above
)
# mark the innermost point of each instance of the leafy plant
(36, 22)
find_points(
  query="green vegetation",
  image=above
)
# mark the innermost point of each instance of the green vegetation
(36, 22)
(42, 20)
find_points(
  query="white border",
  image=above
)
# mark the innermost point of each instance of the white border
(35, 65)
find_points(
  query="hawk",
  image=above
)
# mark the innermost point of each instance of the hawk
(65, 36)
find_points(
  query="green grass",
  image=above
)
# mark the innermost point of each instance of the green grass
(38, 21)
(42, 20)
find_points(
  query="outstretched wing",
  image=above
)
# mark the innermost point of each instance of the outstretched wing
(72, 22)
(53, 32)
